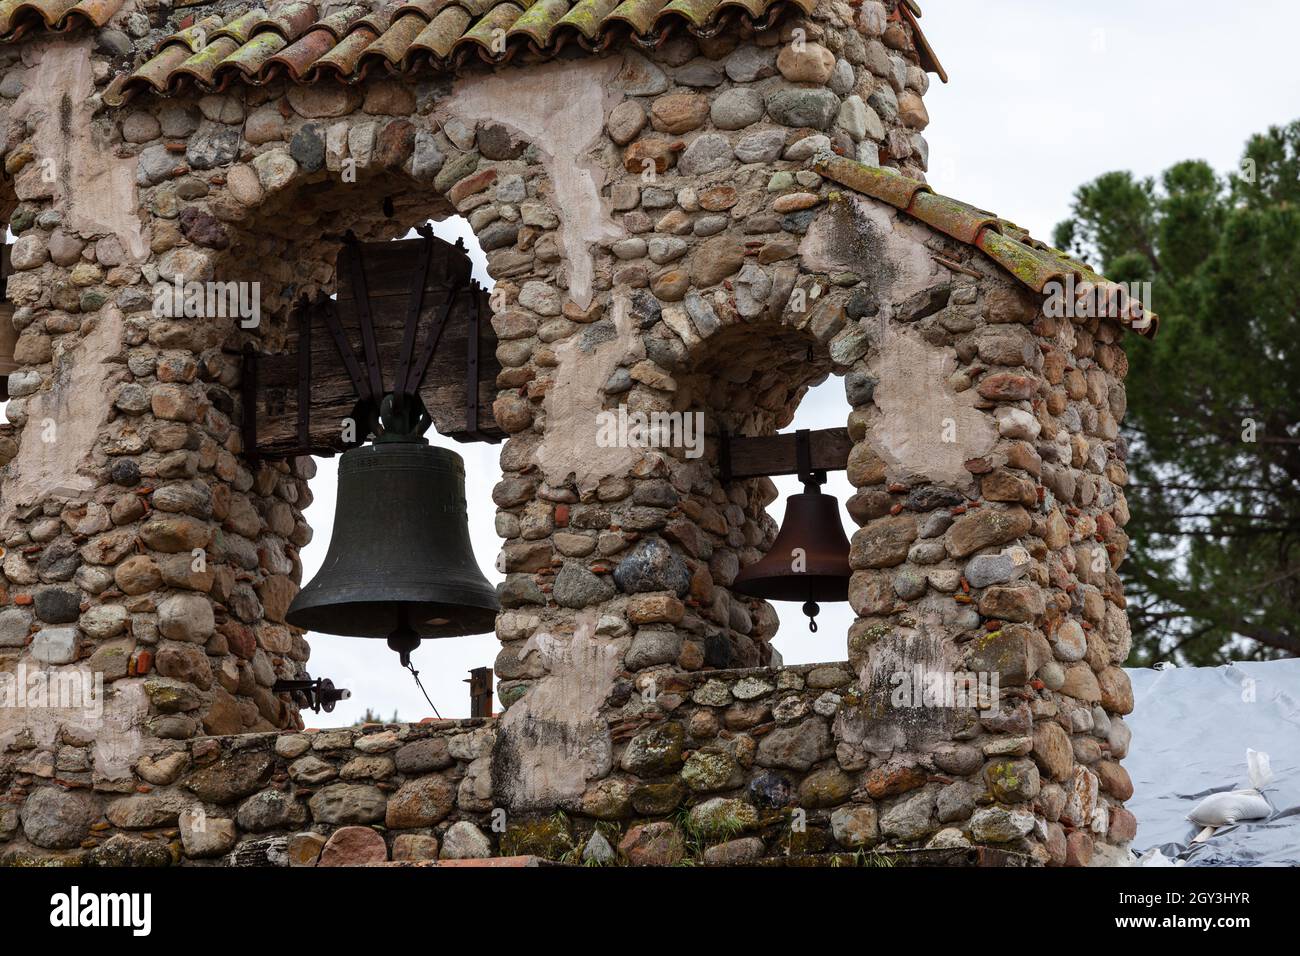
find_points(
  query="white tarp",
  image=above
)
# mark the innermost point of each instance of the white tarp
(1191, 728)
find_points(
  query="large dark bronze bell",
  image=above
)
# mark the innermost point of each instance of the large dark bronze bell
(399, 565)
(809, 560)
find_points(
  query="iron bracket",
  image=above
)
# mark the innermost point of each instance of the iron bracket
(319, 694)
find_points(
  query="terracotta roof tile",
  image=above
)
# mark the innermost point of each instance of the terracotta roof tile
(539, 20)
(239, 28)
(159, 70)
(203, 66)
(450, 32)
(393, 42)
(637, 14)
(1034, 263)
(253, 55)
(437, 39)
(18, 17)
(299, 56)
(586, 16)
(291, 37)
(388, 36)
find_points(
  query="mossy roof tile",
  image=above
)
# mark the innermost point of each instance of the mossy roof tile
(1036, 264)
(307, 41)
(19, 17)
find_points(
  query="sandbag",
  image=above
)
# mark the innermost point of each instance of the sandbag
(1228, 809)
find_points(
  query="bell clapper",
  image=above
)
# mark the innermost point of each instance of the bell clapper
(404, 640)
(811, 609)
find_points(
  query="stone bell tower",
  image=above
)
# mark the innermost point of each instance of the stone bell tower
(692, 213)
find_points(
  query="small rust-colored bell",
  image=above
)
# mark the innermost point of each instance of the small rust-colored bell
(809, 560)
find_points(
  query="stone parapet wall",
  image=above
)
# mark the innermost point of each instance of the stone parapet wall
(257, 799)
(729, 767)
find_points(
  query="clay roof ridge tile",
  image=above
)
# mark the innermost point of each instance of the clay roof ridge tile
(193, 37)
(18, 17)
(298, 57)
(392, 44)
(695, 12)
(241, 27)
(341, 61)
(539, 21)
(1032, 262)
(484, 36)
(292, 37)
(203, 65)
(435, 41)
(586, 16)
(639, 15)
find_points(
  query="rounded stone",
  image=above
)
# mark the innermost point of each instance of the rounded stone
(244, 185)
(353, 846)
(1000, 825)
(348, 803)
(464, 841)
(1069, 641)
(28, 252)
(105, 621)
(323, 100)
(420, 803)
(806, 63)
(271, 810)
(65, 249)
(750, 62)
(140, 127)
(186, 617)
(415, 846)
(736, 109)
(653, 566)
(58, 819)
(653, 844)
(264, 125)
(137, 574)
(706, 154)
(576, 587)
(909, 584)
(275, 168)
(762, 146)
(814, 108)
(679, 112)
(855, 826)
(541, 298)
(213, 146)
(57, 605)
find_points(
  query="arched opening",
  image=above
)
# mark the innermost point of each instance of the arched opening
(367, 668)
(822, 406)
(287, 242)
(753, 379)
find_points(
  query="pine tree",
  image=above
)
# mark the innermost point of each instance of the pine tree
(1213, 421)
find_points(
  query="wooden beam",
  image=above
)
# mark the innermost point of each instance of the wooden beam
(389, 268)
(771, 455)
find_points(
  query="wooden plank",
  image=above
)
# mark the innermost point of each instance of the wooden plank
(389, 267)
(771, 455)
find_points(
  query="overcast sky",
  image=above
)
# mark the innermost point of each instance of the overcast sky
(1042, 97)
